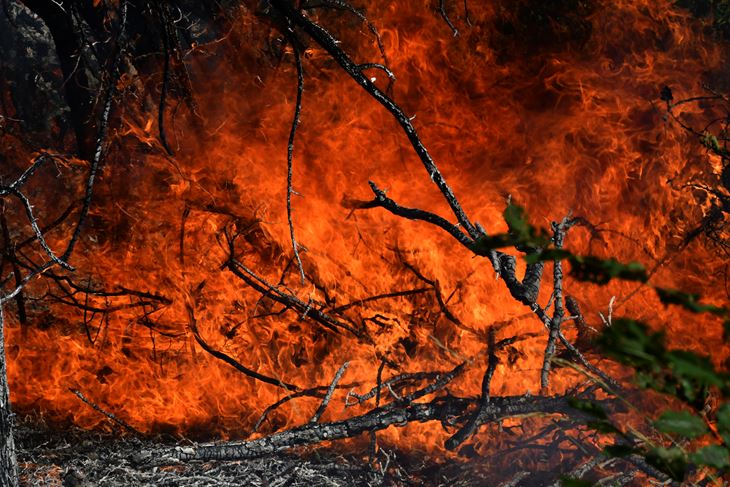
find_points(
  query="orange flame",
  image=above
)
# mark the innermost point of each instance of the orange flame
(574, 126)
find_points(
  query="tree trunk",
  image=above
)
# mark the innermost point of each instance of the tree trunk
(8, 460)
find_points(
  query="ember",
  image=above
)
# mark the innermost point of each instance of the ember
(220, 226)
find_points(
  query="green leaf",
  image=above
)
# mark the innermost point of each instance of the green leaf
(568, 482)
(649, 381)
(712, 456)
(523, 234)
(671, 461)
(618, 451)
(485, 244)
(688, 301)
(601, 271)
(630, 342)
(603, 426)
(723, 422)
(711, 142)
(516, 219)
(548, 254)
(681, 423)
(587, 407)
(689, 365)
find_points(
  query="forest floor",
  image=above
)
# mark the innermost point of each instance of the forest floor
(72, 457)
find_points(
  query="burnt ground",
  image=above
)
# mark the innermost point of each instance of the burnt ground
(78, 458)
(71, 457)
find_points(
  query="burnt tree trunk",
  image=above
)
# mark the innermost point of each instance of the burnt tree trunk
(8, 459)
(66, 34)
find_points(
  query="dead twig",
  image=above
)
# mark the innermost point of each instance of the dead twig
(439, 409)
(290, 154)
(231, 361)
(445, 16)
(328, 395)
(109, 415)
(472, 423)
(559, 232)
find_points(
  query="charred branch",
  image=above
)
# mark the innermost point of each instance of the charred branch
(8, 458)
(573, 307)
(445, 16)
(114, 418)
(231, 361)
(383, 201)
(440, 409)
(290, 156)
(439, 296)
(559, 232)
(345, 6)
(166, 36)
(325, 39)
(473, 422)
(328, 395)
(290, 301)
(527, 290)
(9, 256)
(393, 384)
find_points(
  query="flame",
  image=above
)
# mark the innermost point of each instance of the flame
(575, 125)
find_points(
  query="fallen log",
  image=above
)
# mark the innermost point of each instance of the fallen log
(443, 409)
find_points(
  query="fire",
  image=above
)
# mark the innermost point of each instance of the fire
(574, 124)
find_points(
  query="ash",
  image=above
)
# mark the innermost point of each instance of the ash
(79, 458)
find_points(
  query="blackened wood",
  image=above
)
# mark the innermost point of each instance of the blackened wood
(441, 409)
(8, 459)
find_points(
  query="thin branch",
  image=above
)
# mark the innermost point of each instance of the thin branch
(342, 5)
(109, 415)
(325, 39)
(101, 136)
(36, 229)
(162, 17)
(559, 231)
(402, 380)
(328, 395)
(374, 434)
(290, 156)
(383, 201)
(473, 422)
(378, 297)
(445, 16)
(439, 409)
(231, 361)
(290, 300)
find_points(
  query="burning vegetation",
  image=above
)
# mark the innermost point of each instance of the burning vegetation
(439, 238)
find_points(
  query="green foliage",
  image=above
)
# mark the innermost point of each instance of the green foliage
(681, 423)
(723, 422)
(718, 10)
(568, 482)
(682, 374)
(688, 301)
(713, 456)
(588, 407)
(601, 271)
(671, 461)
(630, 342)
(618, 451)
(538, 243)
(520, 235)
(711, 142)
